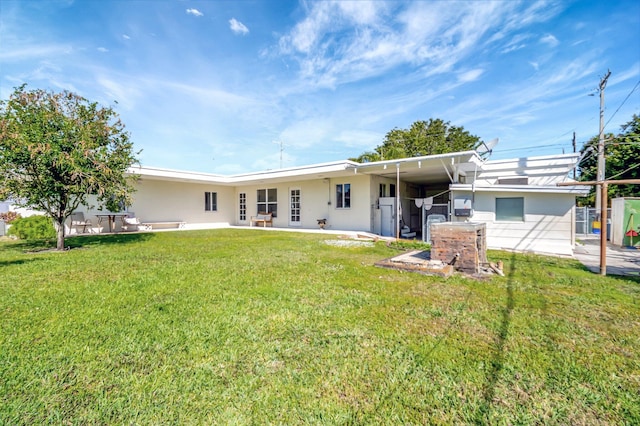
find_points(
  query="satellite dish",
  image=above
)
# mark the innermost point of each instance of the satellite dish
(487, 147)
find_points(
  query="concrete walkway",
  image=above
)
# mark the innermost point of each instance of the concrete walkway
(620, 260)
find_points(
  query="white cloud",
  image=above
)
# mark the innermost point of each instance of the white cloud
(126, 37)
(551, 89)
(469, 76)
(21, 53)
(535, 65)
(514, 47)
(125, 95)
(194, 12)
(103, 49)
(238, 27)
(550, 40)
(516, 43)
(213, 97)
(363, 139)
(362, 12)
(307, 132)
(342, 42)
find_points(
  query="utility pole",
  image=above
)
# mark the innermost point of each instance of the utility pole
(601, 162)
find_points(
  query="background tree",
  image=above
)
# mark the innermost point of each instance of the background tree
(622, 161)
(58, 149)
(422, 138)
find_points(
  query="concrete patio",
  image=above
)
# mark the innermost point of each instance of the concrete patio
(620, 260)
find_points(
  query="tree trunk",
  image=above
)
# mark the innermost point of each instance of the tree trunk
(60, 244)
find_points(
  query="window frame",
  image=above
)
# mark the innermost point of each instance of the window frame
(343, 196)
(270, 203)
(502, 216)
(210, 201)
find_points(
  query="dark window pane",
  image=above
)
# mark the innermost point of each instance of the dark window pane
(272, 195)
(510, 209)
(347, 195)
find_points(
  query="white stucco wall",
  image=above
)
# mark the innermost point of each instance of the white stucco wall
(358, 217)
(314, 198)
(548, 225)
(156, 201)
(318, 201)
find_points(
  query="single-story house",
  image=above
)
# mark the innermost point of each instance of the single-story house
(517, 199)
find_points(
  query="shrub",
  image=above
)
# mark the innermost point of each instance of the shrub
(33, 228)
(9, 217)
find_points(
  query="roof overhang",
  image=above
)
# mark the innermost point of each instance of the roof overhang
(578, 191)
(440, 168)
(316, 171)
(154, 173)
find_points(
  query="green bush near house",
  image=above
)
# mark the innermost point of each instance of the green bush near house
(246, 326)
(33, 228)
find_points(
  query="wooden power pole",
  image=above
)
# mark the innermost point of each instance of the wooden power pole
(601, 162)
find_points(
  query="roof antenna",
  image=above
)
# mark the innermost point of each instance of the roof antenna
(486, 148)
(282, 145)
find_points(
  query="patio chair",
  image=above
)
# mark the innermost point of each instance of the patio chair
(78, 220)
(131, 223)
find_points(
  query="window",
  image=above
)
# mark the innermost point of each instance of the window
(383, 190)
(294, 201)
(343, 196)
(210, 201)
(268, 201)
(510, 209)
(243, 206)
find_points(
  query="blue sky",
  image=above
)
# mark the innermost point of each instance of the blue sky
(220, 86)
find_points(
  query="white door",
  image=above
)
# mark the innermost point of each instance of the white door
(387, 216)
(242, 207)
(294, 207)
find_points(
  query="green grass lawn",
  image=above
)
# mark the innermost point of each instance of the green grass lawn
(258, 327)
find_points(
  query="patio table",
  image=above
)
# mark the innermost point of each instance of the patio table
(111, 219)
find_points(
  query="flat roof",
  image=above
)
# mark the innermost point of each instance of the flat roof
(430, 169)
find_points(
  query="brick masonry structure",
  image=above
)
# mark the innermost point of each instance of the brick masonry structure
(461, 244)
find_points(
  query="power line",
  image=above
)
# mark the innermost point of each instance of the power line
(607, 141)
(624, 171)
(625, 100)
(531, 147)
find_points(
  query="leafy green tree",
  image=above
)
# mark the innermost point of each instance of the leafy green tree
(58, 149)
(622, 161)
(422, 138)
